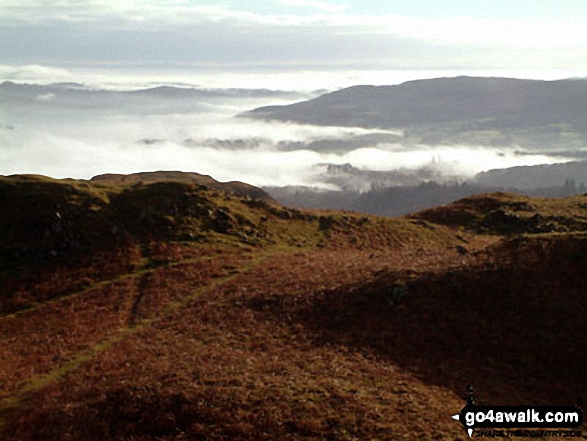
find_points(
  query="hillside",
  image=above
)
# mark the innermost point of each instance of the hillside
(529, 177)
(170, 310)
(479, 111)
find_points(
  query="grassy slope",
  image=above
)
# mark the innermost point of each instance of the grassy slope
(179, 312)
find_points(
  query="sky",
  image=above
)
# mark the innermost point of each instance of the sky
(292, 44)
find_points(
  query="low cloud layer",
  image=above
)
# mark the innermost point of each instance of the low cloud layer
(51, 132)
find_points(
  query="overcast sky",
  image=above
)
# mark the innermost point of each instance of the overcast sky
(54, 37)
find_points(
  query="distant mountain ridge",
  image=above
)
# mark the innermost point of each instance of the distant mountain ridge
(497, 111)
(150, 99)
(22, 90)
(436, 101)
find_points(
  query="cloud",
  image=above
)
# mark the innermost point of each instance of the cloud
(204, 44)
(128, 13)
(34, 73)
(298, 34)
(143, 15)
(45, 97)
(314, 4)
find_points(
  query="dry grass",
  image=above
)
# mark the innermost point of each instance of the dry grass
(293, 325)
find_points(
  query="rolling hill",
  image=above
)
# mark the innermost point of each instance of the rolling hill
(481, 111)
(169, 310)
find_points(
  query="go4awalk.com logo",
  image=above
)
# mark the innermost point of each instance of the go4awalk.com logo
(507, 418)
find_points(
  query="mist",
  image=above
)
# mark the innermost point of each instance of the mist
(72, 131)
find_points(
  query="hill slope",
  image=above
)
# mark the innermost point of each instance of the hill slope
(215, 316)
(494, 111)
(536, 176)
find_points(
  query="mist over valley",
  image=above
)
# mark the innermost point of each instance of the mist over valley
(90, 131)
